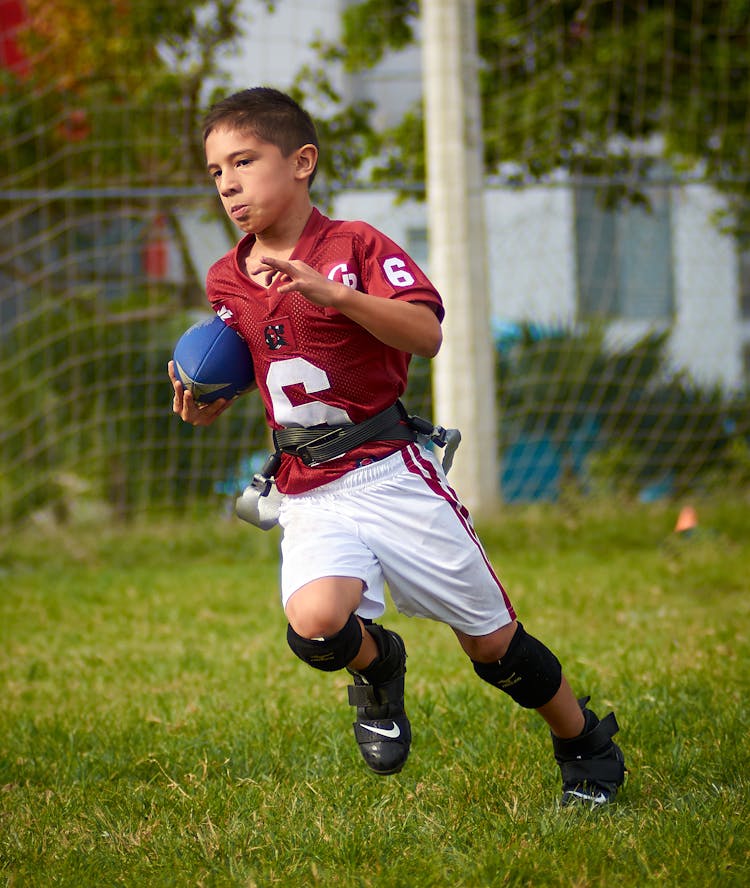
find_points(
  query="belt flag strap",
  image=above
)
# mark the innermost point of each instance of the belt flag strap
(260, 501)
(318, 445)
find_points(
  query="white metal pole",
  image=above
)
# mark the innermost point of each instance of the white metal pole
(463, 372)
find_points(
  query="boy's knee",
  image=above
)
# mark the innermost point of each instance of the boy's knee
(320, 609)
(316, 624)
(528, 672)
(486, 648)
(331, 652)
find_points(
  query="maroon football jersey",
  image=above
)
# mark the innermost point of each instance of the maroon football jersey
(313, 365)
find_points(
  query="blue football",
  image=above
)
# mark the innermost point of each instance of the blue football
(213, 361)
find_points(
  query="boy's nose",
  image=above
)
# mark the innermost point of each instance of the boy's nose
(228, 184)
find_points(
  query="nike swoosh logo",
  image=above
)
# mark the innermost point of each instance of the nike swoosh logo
(391, 733)
(587, 797)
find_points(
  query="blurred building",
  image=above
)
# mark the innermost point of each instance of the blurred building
(555, 256)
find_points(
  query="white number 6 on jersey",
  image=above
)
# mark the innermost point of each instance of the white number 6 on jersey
(298, 371)
(397, 273)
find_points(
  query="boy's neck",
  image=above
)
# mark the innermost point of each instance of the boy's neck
(278, 242)
(283, 238)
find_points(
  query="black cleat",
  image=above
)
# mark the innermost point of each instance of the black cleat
(382, 729)
(592, 764)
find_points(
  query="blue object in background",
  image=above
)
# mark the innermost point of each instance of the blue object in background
(242, 475)
(532, 465)
(506, 334)
(530, 470)
(656, 490)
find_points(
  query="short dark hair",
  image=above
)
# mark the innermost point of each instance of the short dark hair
(269, 114)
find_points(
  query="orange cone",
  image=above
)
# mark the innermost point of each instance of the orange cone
(687, 520)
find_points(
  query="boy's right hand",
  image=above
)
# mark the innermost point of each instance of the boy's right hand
(188, 409)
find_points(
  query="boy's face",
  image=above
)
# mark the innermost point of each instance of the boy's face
(258, 186)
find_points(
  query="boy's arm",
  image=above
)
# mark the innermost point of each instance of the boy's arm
(408, 326)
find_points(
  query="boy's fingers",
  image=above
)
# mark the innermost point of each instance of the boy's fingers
(201, 414)
(178, 389)
(176, 381)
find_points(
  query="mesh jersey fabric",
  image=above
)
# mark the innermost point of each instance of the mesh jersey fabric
(313, 365)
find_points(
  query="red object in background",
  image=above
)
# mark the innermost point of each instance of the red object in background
(75, 127)
(12, 17)
(155, 252)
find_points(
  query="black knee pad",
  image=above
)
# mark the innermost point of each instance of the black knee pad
(328, 654)
(529, 672)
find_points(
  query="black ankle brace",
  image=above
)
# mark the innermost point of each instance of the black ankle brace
(389, 663)
(592, 756)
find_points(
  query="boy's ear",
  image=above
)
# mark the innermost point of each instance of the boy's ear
(307, 159)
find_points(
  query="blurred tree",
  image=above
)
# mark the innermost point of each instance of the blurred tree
(96, 66)
(586, 86)
(98, 139)
(101, 70)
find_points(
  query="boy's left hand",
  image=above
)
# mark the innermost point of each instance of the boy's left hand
(293, 274)
(188, 409)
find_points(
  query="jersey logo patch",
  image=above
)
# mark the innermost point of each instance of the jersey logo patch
(278, 335)
(341, 272)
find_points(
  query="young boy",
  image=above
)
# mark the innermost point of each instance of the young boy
(332, 312)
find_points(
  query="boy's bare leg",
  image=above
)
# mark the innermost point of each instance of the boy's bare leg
(321, 608)
(592, 765)
(562, 713)
(321, 615)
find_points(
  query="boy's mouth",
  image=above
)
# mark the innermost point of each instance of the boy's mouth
(238, 210)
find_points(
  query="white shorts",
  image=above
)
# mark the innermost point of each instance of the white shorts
(395, 521)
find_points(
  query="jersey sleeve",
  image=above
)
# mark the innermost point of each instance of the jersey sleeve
(388, 271)
(223, 291)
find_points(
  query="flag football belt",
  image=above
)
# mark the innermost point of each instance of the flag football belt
(260, 501)
(318, 445)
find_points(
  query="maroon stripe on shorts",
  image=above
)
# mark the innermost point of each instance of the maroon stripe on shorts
(417, 464)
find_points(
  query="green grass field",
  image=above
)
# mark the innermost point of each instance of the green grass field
(155, 729)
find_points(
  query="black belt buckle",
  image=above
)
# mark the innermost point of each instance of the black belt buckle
(304, 451)
(421, 426)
